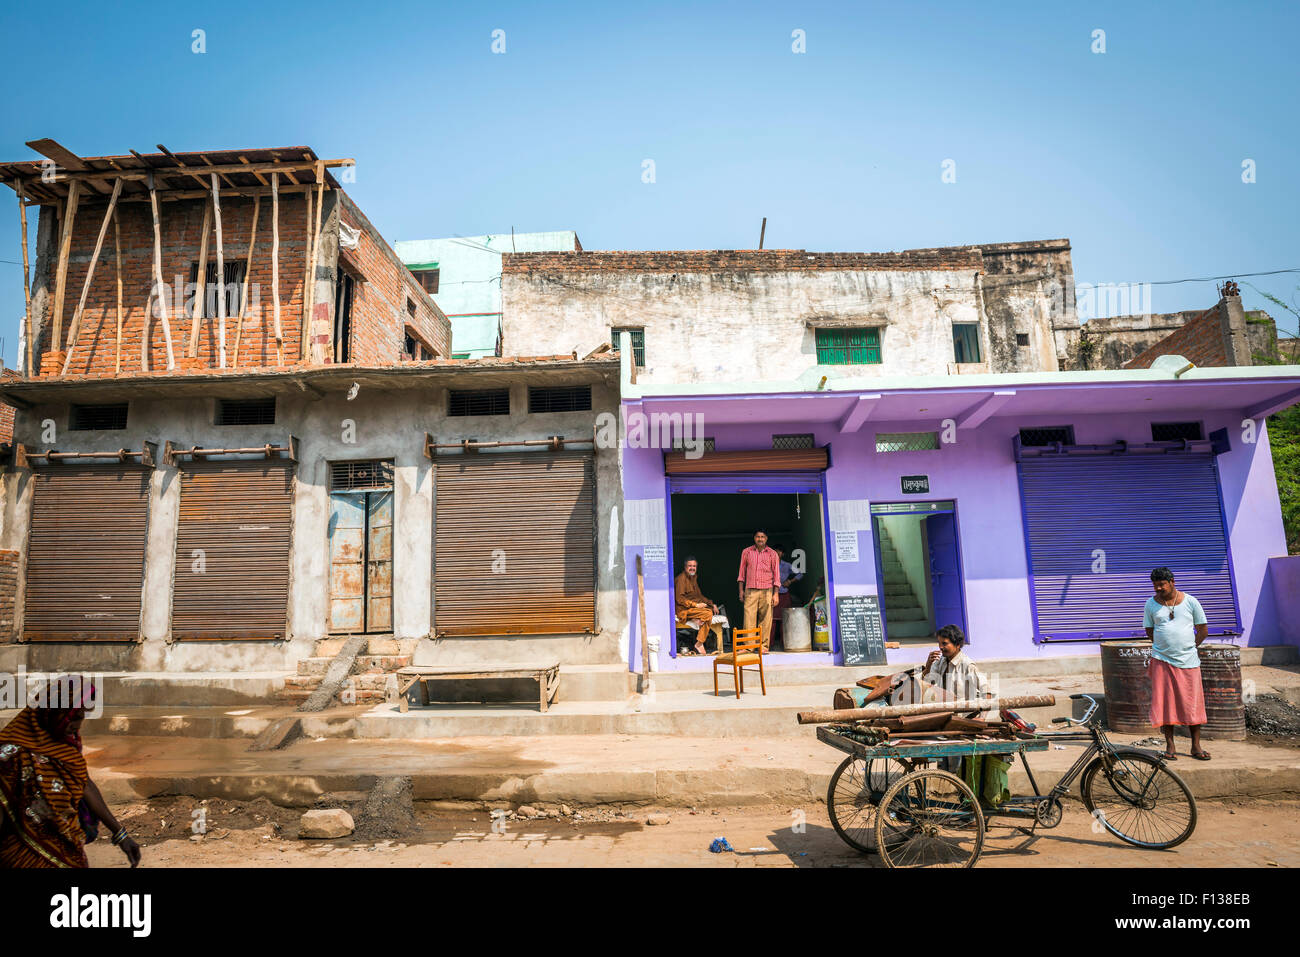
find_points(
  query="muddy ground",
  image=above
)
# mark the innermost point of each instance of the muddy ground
(1244, 833)
(1272, 720)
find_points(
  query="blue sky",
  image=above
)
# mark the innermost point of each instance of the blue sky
(1135, 154)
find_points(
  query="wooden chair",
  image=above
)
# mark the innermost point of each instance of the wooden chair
(746, 649)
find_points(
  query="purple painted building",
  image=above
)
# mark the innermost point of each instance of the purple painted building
(1029, 508)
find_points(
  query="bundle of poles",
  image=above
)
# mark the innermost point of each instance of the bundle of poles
(928, 707)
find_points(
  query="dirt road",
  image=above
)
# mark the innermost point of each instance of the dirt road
(1247, 833)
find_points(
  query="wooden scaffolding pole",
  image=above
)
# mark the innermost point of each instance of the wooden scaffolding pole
(27, 284)
(275, 264)
(69, 214)
(159, 288)
(201, 280)
(75, 328)
(248, 274)
(117, 255)
(221, 274)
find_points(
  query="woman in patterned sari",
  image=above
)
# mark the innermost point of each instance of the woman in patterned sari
(49, 807)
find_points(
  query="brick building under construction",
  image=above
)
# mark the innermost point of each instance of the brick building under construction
(218, 465)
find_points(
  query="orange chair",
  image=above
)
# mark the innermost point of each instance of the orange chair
(746, 649)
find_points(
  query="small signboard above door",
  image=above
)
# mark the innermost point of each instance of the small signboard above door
(916, 484)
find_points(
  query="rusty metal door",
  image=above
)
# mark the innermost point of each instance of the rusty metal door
(85, 553)
(361, 561)
(379, 561)
(514, 544)
(347, 535)
(232, 549)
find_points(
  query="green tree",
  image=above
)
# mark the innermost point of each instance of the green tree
(1284, 440)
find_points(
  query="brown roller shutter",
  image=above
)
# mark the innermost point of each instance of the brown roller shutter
(85, 553)
(761, 460)
(515, 544)
(239, 515)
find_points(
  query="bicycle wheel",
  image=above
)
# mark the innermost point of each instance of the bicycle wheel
(1140, 800)
(856, 788)
(929, 818)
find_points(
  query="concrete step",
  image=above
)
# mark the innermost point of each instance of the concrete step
(908, 629)
(313, 666)
(375, 645)
(189, 689)
(897, 588)
(897, 612)
(366, 664)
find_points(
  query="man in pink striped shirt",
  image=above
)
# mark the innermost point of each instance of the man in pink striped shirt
(759, 581)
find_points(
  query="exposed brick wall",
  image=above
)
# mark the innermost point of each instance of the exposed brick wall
(379, 305)
(740, 260)
(8, 592)
(1201, 340)
(181, 225)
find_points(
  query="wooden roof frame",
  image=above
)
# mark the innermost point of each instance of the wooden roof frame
(175, 175)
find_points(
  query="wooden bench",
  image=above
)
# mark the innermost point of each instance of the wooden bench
(412, 680)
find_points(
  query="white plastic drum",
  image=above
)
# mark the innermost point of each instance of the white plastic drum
(796, 630)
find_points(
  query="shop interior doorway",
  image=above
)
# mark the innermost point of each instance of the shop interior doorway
(918, 565)
(716, 528)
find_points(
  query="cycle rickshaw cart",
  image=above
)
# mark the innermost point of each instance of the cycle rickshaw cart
(891, 799)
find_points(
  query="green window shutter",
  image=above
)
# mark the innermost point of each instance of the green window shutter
(858, 346)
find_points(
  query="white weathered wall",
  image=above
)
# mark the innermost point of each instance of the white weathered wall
(725, 326)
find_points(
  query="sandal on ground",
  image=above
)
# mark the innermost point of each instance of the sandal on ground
(1171, 757)
(1201, 755)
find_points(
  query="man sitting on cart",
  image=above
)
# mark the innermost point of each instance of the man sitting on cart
(953, 671)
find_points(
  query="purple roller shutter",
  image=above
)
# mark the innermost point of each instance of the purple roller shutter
(1133, 512)
(725, 483)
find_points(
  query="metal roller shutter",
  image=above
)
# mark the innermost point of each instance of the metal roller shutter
(515, 544)
(85, 554)
(1140, 511)
(236, 516)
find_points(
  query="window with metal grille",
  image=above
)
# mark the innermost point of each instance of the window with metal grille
(234, 273)
(804, 441)
(906, 441)
(478, 402)
(364, 474)
(680, 446)
(840, 347)
(1022, 338)
(1049, 435)
(565, 398)
(427, 278)
(1176, 431)
(246, 411)
(966, 342)
(91, 417)
(638, 343)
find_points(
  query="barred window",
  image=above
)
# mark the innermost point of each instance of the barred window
(93, 417)
(1049, 435)
(1176, 431)
(801, 441)
(638, 343)
(906, 441)
(246, 411)
(478, 402)
(680, 446)
(428, 279)
(363, 474)
(567, 398)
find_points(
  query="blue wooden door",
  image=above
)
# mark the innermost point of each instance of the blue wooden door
(945, 571)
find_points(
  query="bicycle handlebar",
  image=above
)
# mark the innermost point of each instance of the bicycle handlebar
(1087, 715)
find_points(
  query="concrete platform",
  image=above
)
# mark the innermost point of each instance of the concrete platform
(603, 769)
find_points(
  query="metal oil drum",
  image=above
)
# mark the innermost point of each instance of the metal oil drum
(1128, 686)
(1225, 711)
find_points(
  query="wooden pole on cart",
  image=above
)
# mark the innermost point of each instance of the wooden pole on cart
(645, 641)
(933, 707)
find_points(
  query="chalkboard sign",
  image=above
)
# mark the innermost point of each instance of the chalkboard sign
(862, 635)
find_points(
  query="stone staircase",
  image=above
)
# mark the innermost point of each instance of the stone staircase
(373, 674)
(904, 615)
